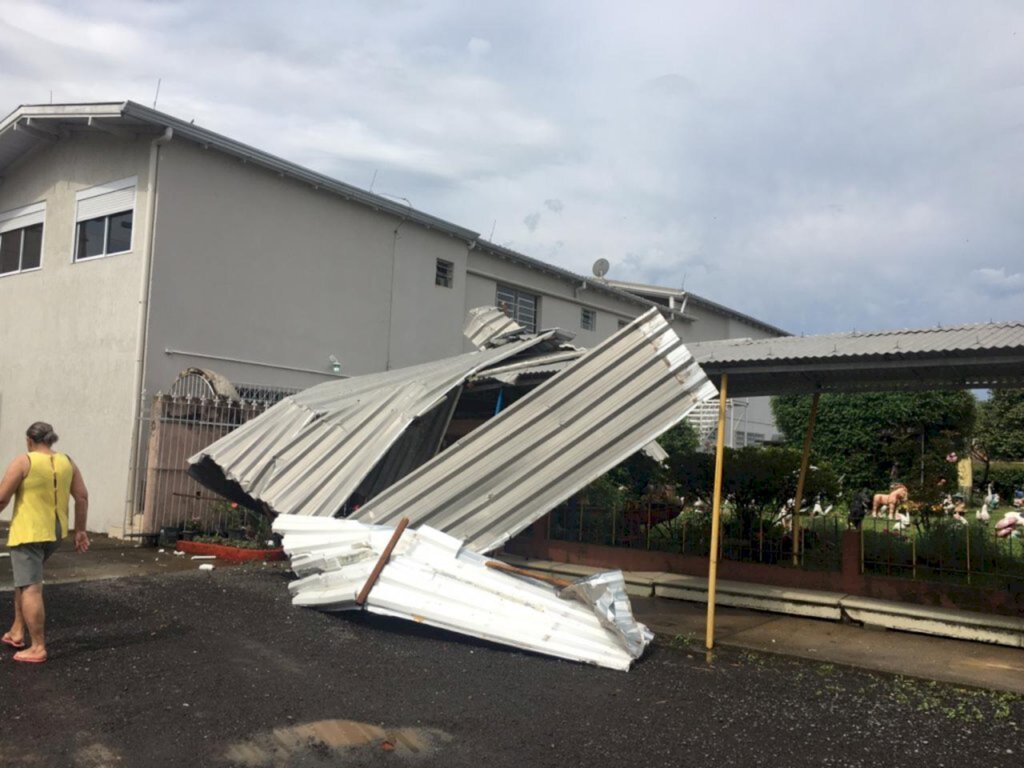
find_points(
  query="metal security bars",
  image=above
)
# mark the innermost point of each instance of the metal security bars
(177, 427)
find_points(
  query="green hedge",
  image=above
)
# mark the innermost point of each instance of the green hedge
(1005, 477)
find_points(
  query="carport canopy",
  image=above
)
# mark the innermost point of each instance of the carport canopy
(981, 356)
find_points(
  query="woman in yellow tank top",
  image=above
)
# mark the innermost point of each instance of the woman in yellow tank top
(41, 481)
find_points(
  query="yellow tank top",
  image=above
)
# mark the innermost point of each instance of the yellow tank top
(41, 502)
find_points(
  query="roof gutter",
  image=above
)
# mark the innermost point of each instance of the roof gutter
(142, 330)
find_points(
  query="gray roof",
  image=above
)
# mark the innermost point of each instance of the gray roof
(986, 355)
(32, 126)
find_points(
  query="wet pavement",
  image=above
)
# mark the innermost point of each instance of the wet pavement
(931, 658)
(219, 669)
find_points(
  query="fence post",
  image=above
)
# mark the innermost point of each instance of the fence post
(968, 529)
(152, 462)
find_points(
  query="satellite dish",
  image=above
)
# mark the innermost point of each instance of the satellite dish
(601, 267)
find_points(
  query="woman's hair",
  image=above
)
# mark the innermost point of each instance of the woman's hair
(41, 433)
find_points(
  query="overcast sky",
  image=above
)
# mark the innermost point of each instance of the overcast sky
(823, 166)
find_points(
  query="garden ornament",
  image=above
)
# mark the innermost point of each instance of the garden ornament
(895, 496)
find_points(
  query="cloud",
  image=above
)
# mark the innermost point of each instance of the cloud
(996, 282)
(812, 169)
(478, 48)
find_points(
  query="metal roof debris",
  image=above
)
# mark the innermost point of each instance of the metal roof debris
(564, 434)
(313, 450)
(431, 578)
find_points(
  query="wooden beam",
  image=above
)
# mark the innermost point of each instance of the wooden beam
(381, 562)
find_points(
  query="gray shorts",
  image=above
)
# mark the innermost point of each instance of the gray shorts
(27, 562)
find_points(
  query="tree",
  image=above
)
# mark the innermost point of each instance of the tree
(875, 438)
(1001, 425)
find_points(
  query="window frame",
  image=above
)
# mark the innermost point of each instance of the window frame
(516, 295)
(117, 193)
(588, 318)
(24, 218)
(444, 273)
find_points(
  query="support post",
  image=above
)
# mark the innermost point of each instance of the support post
(716, 512)
(804, 460)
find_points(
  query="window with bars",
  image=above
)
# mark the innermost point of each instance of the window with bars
(519, 305)
(588, 319)
(444, 274)
(105, 217)
(21, 238)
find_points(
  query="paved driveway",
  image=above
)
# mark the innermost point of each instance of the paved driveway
(196, 669)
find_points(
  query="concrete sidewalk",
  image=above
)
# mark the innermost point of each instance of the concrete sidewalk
(748, 616)
(827, 627)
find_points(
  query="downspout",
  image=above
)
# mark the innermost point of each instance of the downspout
(142, 330)
(391, 294)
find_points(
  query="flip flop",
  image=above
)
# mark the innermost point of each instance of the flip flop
(28, 659)
(7, 640)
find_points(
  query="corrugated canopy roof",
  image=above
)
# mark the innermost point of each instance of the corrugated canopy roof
(986, 355)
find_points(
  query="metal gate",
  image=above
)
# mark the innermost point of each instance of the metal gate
(175, 428)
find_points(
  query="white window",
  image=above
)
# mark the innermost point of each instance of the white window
(445, 274)
(105, 219)
(520, 306)
(21, 238)
(588, 319)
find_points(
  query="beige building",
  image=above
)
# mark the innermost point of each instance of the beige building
(134, 245)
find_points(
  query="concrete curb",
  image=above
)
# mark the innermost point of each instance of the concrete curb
(943, 622)
(833, 606)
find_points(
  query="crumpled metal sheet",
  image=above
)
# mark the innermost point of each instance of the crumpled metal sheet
(486, 324)
(431, 578)
(606, 595)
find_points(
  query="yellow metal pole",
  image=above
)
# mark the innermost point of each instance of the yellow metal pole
(716, 512)
(804, 461)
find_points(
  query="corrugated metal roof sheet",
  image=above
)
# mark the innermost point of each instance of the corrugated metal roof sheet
(311, 451)
(965, 338)
(484, 324)
(431, 578)
(579, 424)
(968, 356)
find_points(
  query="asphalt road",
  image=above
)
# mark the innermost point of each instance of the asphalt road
(196, 669)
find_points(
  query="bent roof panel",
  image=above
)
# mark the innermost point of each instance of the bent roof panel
(308, 453)
(566, 433)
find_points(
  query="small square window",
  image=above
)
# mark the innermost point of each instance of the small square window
(445, 274)
(588, 319)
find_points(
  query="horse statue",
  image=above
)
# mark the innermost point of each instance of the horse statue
(897, 494)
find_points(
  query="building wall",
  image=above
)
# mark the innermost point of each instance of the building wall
(253, 266)
(69, 330)
(560, 302)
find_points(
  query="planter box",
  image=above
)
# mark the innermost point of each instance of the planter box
(229, 554)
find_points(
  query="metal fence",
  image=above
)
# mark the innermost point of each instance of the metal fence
(645, 525)
(175, 428)
(929, 549)
(942, 549)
